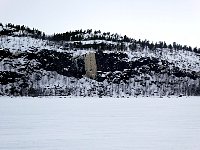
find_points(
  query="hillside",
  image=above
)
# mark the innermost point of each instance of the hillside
(92, 63)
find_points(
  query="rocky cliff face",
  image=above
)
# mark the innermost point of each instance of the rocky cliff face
(90, 65)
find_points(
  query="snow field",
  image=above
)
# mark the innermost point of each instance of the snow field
(94, 124)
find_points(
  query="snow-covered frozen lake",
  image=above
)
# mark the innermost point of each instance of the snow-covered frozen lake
(99, 124)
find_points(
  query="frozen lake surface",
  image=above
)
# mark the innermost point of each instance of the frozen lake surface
(99, 124)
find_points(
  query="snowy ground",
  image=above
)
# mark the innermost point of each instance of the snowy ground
(99, 124)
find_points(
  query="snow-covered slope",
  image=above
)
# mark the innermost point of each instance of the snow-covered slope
(23, 43)
(179, 58)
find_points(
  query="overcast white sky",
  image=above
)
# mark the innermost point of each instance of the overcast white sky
(155, 20)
